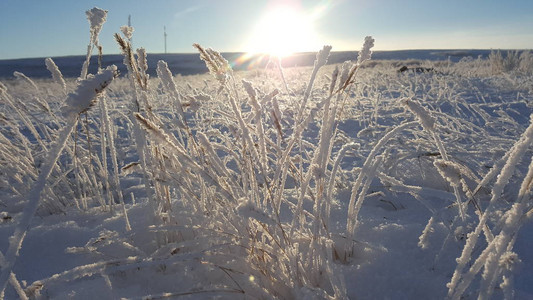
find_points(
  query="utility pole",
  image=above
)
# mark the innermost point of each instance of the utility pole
(165, 35)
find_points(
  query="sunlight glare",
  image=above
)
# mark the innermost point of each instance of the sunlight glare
(282, 31)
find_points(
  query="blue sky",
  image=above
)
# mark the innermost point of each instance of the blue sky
(38, 28)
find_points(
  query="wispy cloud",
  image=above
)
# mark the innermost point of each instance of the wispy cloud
(187, 11)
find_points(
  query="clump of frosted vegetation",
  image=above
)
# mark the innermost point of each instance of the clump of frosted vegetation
(512, 61)
(273, 183)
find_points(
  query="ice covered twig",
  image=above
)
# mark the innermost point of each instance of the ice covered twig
(422, 114)
(56, 74)
(96, 17)
(320, 61)
(451, 171)
(366, 53)
(460, 281)
(76, 103)
(322, 56)
(429, 124)
(369, 171)
(87, 91)
(218, 66)
(127, 31)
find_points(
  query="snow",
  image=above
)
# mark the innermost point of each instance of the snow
(127, 31)
(87, 92)
(239, 185)
(96, 17)
(366, 53)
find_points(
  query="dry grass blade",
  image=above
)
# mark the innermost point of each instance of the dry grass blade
(129, 59)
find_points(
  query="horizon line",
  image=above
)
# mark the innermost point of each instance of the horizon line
(295, 53)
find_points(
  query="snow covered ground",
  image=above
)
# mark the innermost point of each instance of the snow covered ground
(360, 183)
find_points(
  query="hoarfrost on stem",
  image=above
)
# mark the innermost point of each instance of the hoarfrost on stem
(218, 66)
(56, 74)
(84, 96)
(450, 171)
(76, 103)
(423, 115)
(322, 56)
(127, 31)
(97, 18)
(366, 53)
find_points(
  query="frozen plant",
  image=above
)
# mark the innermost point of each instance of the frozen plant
(87, 91)
(96, 17)
(366, 52)
(422, 114)
(77, 102)
(56, 73)
(218, 66)
(428, 124)
(504, 240)
(127, 31)
(320, 61)
(243, 189)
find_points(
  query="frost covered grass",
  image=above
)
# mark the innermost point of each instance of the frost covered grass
(334, 181)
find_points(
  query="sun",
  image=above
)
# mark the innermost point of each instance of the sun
(281, 31)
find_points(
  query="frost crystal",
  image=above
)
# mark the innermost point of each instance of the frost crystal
(510, 261)
(322, 56)
(249, 88)
(450, 171)
(56, 74)
(218, 66)
(141, 59)
(97, 18)
(423, 241)
(83, 98)
(425, 119)
(366, 53)
(318, 172)
(127, 31)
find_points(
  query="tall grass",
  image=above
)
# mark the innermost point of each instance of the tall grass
(512, 61)
(242, 180)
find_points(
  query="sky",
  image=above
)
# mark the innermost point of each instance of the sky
(38, 28)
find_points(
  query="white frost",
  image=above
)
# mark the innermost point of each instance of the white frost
(423, 115)
(366, 53)
(127, 31)
(97, 18)
(56, 74)
(84, 96)
(450, 171)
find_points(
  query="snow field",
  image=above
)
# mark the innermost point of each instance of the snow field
(344, 181)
